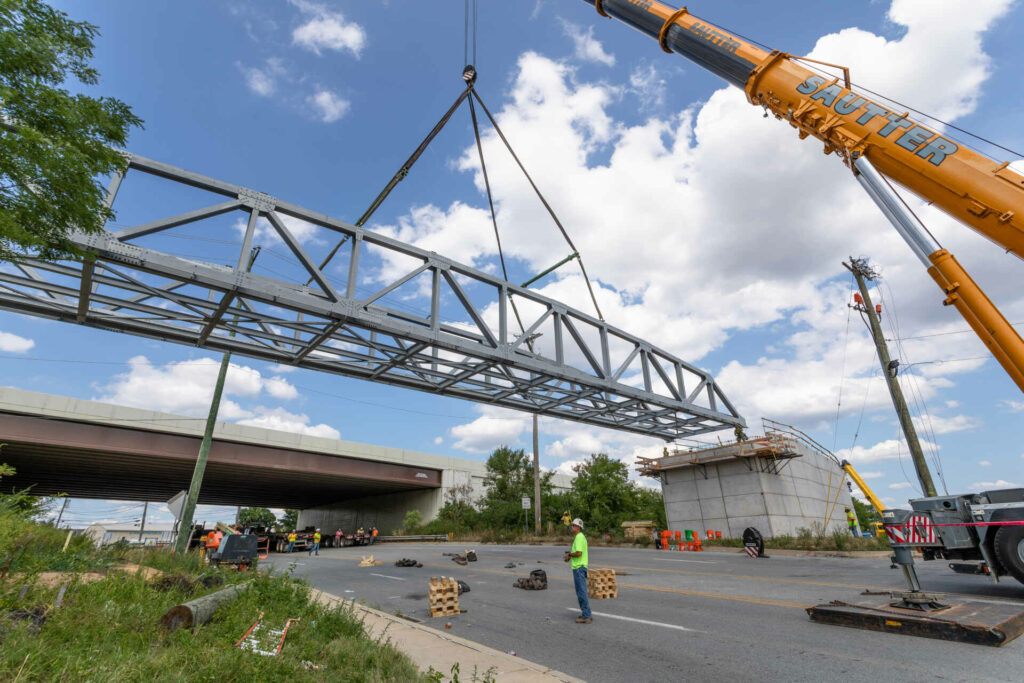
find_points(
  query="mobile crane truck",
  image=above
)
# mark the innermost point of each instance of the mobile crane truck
(877, 143)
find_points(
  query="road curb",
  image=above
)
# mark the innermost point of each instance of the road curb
(427, 647)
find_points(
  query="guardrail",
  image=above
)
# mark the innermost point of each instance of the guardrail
(423, 537)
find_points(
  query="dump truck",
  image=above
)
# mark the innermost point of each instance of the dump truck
(980, 533)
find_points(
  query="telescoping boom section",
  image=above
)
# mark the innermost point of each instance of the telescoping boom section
(875, 142)
(984, 194)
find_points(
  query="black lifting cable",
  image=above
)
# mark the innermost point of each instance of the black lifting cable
(469, 75)
(551, 212)
(400, 174)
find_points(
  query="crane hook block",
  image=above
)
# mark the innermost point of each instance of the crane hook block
(469, 74)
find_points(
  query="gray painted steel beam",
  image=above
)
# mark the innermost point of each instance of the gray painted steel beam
(460, 346)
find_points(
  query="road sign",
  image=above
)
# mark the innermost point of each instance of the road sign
(526, 502)
(176, 503)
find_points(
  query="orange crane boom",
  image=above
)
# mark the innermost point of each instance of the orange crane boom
(985, 195)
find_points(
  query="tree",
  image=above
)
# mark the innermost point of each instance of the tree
(413, 520)
(458, 511)
(509, 479)
(601, 494)
(649, 504)
(866, 514)
(289, 521)
(54, 146)
(256, 517)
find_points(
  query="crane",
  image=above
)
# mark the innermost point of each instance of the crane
(879, 145)
(876, 143)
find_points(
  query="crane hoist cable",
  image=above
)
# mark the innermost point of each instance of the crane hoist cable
(469, 75)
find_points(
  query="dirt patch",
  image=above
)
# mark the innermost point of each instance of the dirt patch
(148, 573)
(57, 579)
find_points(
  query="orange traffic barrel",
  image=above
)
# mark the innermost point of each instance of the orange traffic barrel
(679, 535)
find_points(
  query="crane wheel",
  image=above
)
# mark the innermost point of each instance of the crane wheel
(1009, 546)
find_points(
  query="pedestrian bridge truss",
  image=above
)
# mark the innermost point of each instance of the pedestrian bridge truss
(380, 310)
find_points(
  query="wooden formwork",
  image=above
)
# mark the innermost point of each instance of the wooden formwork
(601, 584)
(443, 596)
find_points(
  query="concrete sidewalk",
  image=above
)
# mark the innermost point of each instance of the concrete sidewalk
(427, 648)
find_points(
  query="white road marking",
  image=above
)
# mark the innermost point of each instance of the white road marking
(385, 576)
(638, 621)
(669, 559)
(1016, 603)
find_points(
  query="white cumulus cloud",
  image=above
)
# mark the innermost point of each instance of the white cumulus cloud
(326, 29)
(328, 106)
(998, 484)
(262, 80)
(587, 48)
(495, 427)
(186, 387)
(284, 421)
(12, 343)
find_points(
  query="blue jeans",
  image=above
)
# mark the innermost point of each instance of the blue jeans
(579, 578)
(315, 548)
(291, 546)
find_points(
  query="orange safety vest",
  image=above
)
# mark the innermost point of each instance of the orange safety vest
(375, 532)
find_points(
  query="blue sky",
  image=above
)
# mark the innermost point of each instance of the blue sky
(713, 233)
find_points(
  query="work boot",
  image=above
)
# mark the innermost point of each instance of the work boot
(581, 620)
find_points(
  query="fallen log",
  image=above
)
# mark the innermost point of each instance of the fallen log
(199, 611)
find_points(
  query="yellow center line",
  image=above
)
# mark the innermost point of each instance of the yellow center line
(719, 575)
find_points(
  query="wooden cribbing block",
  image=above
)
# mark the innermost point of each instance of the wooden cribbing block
(601, 584)
(443, 596)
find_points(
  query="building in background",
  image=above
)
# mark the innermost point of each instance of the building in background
(105, 534)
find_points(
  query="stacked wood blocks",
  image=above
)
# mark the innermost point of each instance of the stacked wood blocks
(443, 596)
(601, 584)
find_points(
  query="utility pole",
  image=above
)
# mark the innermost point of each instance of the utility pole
(61, 515)
(142, 526)
(536, 479)
(188, 510)
(536, 450)
(863, 273)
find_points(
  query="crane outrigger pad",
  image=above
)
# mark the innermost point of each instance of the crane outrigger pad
(965, 621)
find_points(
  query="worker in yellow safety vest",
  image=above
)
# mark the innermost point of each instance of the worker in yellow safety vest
(851, 521)
(315, 548)
(291, 541)
(567, 518)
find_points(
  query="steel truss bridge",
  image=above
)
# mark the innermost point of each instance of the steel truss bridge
(463, 344)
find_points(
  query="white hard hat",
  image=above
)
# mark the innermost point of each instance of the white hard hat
(578, 522)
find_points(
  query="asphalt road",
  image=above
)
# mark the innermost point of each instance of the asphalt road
(679, 616)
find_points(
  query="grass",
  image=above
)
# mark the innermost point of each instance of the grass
(108, 629)
(808, 539)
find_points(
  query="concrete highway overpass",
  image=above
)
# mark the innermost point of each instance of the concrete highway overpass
(88, 449)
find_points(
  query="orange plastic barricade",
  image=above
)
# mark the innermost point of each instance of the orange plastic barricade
(263, 550)
(679, 535)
